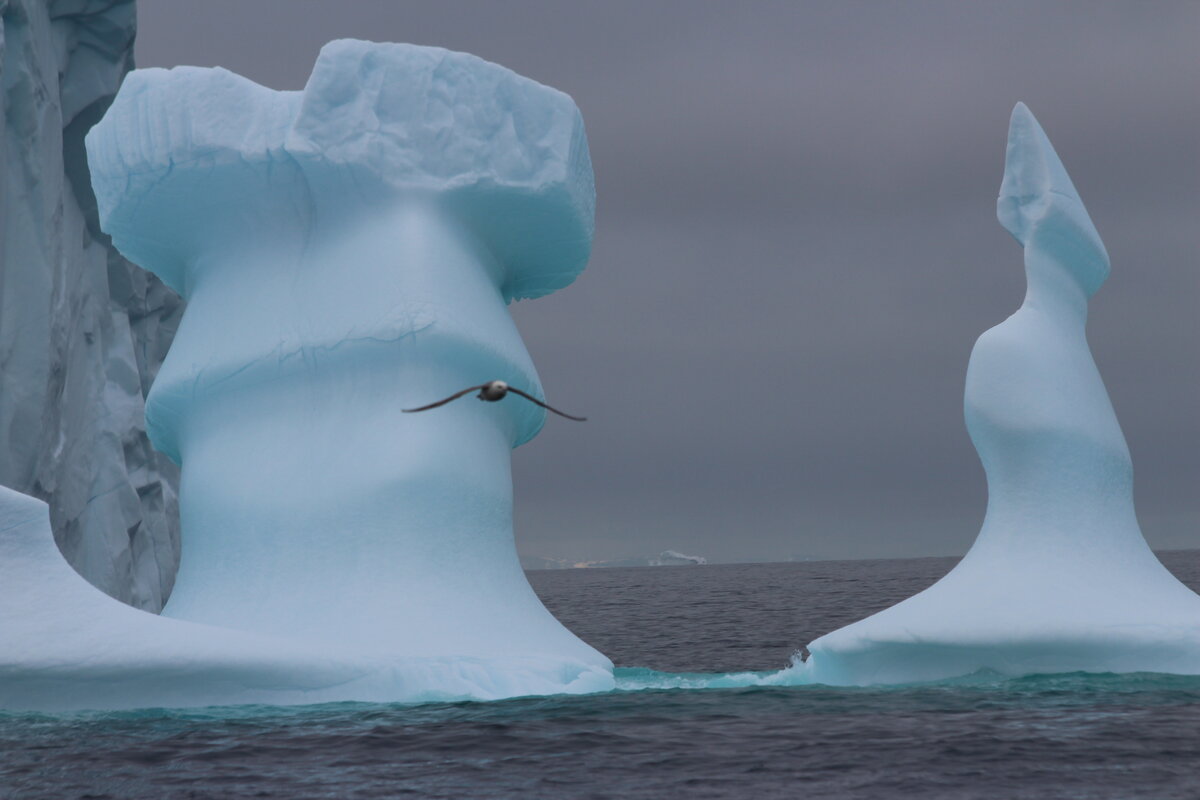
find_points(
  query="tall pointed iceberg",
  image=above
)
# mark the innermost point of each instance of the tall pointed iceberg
(1060, 578)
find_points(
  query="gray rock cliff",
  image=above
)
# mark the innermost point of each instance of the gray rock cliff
(82, 330)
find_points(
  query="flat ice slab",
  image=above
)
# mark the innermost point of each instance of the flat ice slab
(1060, 578)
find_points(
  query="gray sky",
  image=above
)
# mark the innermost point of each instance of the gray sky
(796, 247)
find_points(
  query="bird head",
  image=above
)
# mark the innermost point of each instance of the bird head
(493, 391)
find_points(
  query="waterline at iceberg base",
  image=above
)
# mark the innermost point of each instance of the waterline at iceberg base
(1072, 735)
(69, 646)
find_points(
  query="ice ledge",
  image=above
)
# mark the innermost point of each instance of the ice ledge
(508, 155)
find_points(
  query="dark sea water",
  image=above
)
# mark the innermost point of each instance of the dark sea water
(1065, 736)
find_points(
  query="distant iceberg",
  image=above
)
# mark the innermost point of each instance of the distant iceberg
(667, 558)
(1060, 578)
(671, 558)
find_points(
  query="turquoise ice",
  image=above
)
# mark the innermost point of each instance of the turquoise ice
(1060, 578)
(345, 251)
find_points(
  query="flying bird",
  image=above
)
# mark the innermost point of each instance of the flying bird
(493, 391)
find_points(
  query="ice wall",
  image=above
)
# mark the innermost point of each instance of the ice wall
(1060, 578)
(346, 252)
(82, 331)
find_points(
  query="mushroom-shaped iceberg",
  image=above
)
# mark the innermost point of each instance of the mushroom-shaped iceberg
(348, 251)
(1060, 578)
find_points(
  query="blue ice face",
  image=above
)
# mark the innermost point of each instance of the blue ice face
(1039, 206)
(347, 252)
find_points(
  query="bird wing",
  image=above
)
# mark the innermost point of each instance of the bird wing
(543, 405)
(454, 396)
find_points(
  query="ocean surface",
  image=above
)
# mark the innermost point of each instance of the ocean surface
(1063, 736)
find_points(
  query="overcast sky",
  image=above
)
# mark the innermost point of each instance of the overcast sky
(796, 247)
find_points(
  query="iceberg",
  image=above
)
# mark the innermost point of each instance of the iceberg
(1060, 578)
(345, 251)
(671, 558)
(82, 331)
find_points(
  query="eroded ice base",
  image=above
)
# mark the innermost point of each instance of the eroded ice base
(1022, 619)
(65, 645)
